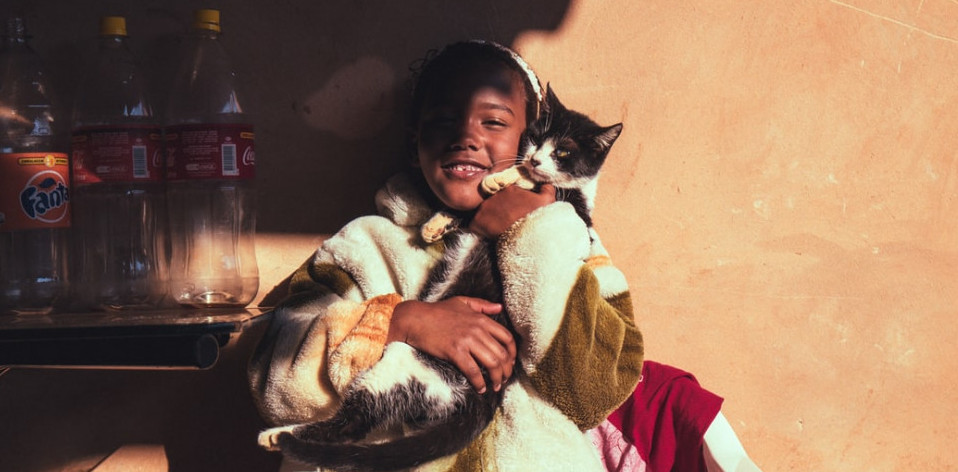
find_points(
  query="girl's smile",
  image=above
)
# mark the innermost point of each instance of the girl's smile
(470, 127)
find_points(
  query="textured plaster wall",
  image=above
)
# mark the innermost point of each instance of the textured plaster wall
(783, 200)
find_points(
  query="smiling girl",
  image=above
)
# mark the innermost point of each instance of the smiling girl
(580, 355)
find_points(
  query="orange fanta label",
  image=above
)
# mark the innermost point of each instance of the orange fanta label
(34, 191)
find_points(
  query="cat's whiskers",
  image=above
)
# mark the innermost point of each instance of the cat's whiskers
(513, 160)
(507, 158)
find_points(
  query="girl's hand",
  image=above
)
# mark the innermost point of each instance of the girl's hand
(497, 213)
(458, 330)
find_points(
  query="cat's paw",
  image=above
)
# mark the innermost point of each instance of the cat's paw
(525, 183)
(493, 183)
(437, 227)
(269, 439)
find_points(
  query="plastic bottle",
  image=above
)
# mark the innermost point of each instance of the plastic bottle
(211, 170)
(119, 217)
(34, 183)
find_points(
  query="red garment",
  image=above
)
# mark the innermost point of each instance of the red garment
(660, 428)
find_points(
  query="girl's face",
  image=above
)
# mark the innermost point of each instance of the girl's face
(469, 127)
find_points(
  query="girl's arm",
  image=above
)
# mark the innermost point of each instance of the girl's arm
(579, 344)
(288, 371)
(723, 451)
(358, 278)
(460, 331)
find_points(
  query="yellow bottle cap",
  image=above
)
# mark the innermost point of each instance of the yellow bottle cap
(112, 26)
(207, 19)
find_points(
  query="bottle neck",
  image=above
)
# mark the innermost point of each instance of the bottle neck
(112, 41)
(14, 43)
(16, 32)
(208, 34)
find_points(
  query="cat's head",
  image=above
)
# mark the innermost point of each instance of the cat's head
(565, 147)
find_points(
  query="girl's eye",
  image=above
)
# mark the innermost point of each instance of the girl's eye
(438, 117)
(497, 123)
(439, 120)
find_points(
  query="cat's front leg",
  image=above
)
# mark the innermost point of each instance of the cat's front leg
(269, 439)
(344, 427)
(493, 183)
(512, 176)
(351, 423)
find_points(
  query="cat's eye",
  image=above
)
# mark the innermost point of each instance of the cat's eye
(561, 153)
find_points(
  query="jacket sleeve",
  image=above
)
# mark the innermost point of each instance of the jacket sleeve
(288, 370)
(320, 338)
(579, 346)
(335, 321)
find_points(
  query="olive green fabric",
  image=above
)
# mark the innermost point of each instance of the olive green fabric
(313, 276)
(585, 358)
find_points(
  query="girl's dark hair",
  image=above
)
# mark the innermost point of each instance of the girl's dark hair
(438, 65)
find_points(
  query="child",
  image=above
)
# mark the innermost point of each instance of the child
(580, 353)
(670, 423)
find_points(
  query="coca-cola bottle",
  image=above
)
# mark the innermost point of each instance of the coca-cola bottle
(34, 183)
(119, 218)
(211, 165)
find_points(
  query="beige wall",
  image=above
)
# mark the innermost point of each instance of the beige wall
(784, 198)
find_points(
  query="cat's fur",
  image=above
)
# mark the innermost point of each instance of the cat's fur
(424, 406)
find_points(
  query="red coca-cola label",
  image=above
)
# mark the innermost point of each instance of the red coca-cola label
(34, 191)
(117, 154)
(206, 151)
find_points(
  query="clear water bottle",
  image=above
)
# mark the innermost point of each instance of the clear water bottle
(119, 217)
(34, 183)
(211, 170)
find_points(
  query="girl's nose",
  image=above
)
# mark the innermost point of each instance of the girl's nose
(467, 136)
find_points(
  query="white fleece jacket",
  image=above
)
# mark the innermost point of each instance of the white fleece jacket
(581, 353)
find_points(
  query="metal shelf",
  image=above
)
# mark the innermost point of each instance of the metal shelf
(165, 339)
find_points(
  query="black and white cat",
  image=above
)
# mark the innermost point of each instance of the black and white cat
(411, 408)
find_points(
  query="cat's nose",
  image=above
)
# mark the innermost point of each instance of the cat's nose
(534, 162)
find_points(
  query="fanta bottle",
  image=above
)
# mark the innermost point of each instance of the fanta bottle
(34, 183)
(119, 218)
(210, 171)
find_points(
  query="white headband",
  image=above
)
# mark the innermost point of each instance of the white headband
(530, 75)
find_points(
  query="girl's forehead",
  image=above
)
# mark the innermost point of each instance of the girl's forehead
(464, 82)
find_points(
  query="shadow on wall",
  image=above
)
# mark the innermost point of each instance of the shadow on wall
(327, 81)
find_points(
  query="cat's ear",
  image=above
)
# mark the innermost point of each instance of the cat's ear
(550, 94)
(608, 136)
(546, 101)
(552, 100)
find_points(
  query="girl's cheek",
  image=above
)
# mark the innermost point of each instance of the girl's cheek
(431, 141)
